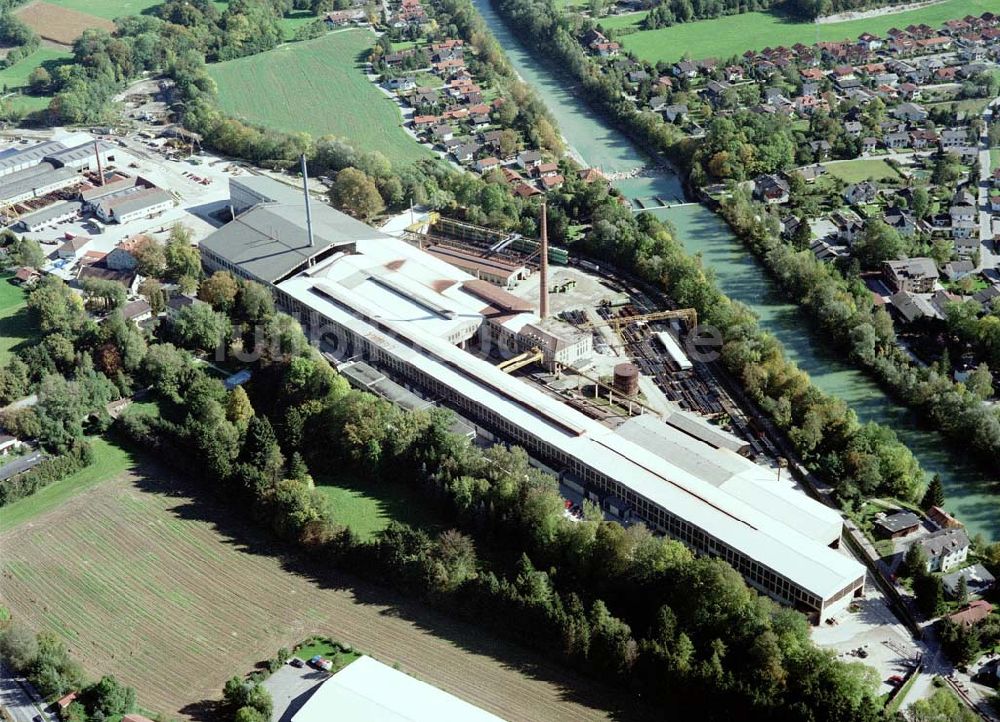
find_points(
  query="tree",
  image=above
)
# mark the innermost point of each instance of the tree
(150, 256)
(921, 202)
(181, 258)
(220, 290)
(962, 591)
(254, 303)
(934, 496)
(942, 706)
(929, 591)
(238, 408)
(980, 382)
(198, 326)
(27, 252)
(355, 193)
(879, 242)
(915, 562)
(108, 697)
(18, 646)
(39, 80)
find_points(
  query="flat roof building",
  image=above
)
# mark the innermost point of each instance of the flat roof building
(418, 320)
(368, 691)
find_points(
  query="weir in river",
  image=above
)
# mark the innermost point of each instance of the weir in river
(971, 494)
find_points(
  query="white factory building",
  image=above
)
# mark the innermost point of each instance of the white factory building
(429, 324)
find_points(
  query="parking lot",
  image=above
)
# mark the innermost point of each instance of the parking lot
(290, 687)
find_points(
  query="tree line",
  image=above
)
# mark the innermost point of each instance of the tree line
(614, 602)
(843, 308)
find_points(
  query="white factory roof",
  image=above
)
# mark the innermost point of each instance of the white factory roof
(368, 691)
(754, 484)
(394, 281)
(772, 540)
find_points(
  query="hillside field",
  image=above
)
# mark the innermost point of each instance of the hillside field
(14, 324)
(108, 9)
(60, 23)
(318, 87)
(734, 34)
(174, 594)
(15, 78)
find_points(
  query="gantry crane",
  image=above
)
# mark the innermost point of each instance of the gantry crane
(616, 322)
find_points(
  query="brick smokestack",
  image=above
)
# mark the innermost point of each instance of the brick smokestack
(543, 273)
(100, 167)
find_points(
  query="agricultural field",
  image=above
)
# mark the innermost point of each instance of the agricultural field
(108, 9)
(855, 171)
(367, 508)
(60, 24)
(732, 35)
(175, 594)
(110, 460)
(14, 324)
(317, 87)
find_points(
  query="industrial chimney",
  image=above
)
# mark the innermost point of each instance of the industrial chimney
(100, 167)
(305, 191)
(543, 273)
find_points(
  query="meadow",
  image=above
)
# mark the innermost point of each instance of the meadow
(108, 9)
(734, 34)
(855, 171)
(367, 508)
(317, 87)
(173, 594)
(14, 324)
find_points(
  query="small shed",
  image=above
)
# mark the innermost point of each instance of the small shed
(897, 525)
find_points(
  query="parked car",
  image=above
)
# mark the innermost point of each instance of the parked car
(296, 662)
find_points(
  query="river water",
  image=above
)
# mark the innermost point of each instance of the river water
(971, 494)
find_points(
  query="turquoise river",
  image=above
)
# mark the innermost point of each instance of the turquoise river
(971, 494)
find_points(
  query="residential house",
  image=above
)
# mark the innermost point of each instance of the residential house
(978, 581)
(910, 112)
(771, 189)
(854, 128)
(858, 194)
(820, 148)
(898, 139)
(675, 113)
(848, 223)
(72, 247)
(178, 303)
(973, 614)
(901, 220)
(810, 173)
(945, 549)
(916, 275)
(685, 69)
(26, 276)
(954, 137)
(897, 525)
(869, 144)
(485, 165)
(121, 257)
(957, 270)
(909, 307)
(137, 311)
(529, 159)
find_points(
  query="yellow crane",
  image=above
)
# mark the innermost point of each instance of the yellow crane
(688, 314)
(518, 362)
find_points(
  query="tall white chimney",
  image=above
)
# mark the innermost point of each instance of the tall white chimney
(543, 273)
(305, 191)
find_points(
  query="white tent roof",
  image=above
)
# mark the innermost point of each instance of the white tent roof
(368, 691)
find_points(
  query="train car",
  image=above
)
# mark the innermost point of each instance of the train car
(590, 266)
(675, 351)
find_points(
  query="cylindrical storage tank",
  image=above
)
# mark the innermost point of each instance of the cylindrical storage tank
(627, 378)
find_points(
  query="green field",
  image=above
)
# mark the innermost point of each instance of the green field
(732, 35)
(317, 87)
(14, 324)
(110, 460)
(994, 157)
(367, 508)
(15, 78)
(855, 171)
(108, 9)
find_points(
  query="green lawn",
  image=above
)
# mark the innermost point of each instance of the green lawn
(108, 9)
(732, 35)
(15, 78)
(328, 649)
(855, 171)
(295, 20)
(994, 157)
(317, 87)
(14, 324)
(110, 460)
(367, 507)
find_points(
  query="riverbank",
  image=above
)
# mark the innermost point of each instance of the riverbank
(971, 494)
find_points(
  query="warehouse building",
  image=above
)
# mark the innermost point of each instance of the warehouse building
(434, 328)
(34, 182)
(132, 203)
(56, 213)
(367, 690)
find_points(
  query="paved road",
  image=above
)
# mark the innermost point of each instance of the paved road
(989, 257)
(14, 698)
(20, 465)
